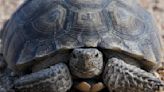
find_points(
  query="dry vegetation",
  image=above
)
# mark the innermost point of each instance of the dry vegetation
(155, 7)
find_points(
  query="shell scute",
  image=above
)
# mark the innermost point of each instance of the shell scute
(52, 25)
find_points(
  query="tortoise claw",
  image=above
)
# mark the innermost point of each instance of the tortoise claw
(83, 86)
(97, 87)
(87, 87)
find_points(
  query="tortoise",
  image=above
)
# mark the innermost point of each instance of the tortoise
(62, 45)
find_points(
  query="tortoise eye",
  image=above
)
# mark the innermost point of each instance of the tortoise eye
(97, 55)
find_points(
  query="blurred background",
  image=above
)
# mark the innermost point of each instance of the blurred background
(155, 7)
(7, 7)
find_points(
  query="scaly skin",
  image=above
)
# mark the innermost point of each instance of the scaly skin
(54, 79)
(122, 77)
(86, 63)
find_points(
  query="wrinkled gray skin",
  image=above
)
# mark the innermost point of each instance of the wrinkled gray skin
(49, 43)
(86, 63)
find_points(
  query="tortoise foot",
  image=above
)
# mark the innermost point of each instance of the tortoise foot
(90, 87)
(122, 77)
(57, 78)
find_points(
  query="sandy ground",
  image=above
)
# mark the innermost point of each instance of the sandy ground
(7, 7)
(155, 7)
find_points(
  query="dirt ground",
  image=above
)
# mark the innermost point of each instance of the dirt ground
(7, 7)
(155, 7)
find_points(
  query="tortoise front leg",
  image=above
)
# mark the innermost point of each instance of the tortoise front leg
(57, 78)
(122, 77)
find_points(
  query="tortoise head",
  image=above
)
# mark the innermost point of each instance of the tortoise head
(86, 62)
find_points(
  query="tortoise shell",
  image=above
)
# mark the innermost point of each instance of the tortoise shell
(42, 27)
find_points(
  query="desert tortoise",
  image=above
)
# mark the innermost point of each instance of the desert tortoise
(49, 45)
